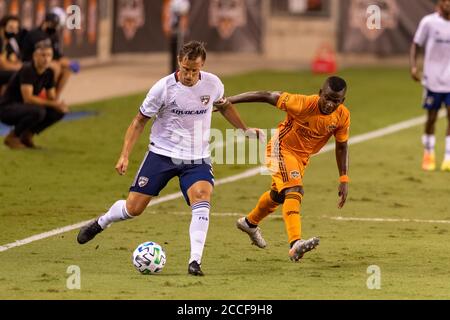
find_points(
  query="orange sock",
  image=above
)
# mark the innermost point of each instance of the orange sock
(292, 217)
(264, 207)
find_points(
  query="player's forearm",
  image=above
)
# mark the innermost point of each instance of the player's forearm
(133, 133)
(256, 96)
(342, 158)
(231, 114)
(413, 55)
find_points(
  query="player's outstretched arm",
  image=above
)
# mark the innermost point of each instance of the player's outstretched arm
(343, 164)
(229, 112)
(133, 133)
(270, 97)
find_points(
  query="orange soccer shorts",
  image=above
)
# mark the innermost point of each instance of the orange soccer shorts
(287, 169)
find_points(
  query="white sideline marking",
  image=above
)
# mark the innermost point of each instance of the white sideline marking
(247, 174)
(214, 214)
(49, 234)
(388, 220)
(236, 214)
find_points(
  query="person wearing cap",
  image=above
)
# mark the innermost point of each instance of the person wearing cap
(61, 65)
(23, 108)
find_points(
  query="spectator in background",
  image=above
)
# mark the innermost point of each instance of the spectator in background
(10, 56)
(23, 108)
(62, 66)
(175, 27)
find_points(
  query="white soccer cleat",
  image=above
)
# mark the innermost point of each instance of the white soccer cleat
(301, 247)
(254, 233)
(445, 165)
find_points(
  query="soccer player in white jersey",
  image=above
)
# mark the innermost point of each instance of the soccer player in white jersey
(182, 105)
(433, 34)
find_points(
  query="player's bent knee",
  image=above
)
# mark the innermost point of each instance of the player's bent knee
(200, 192)
(200, 195)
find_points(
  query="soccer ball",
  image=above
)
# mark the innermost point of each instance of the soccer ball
(149, 258)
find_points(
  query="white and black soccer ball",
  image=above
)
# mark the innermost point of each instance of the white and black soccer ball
(149, 258)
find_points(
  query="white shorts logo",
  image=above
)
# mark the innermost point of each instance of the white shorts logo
(429, 101)
(142, 182)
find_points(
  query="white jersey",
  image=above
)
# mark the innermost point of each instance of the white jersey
(181, 129)
(434, 34)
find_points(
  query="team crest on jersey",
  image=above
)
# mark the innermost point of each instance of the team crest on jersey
(295, 174)
(142, 182)
(205, 100)
(285, 102)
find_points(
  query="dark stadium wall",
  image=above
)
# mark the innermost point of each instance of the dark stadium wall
(138, 26)
(399, 21)
(224, 25)
(228, 26)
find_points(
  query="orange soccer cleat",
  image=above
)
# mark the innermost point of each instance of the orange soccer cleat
(429, 162)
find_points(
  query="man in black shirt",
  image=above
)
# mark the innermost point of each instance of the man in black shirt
(23, 108)
(49, 29)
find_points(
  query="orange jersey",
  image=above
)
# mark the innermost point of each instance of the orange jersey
(306, 130)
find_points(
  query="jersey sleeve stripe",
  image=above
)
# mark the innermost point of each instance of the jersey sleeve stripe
(144, 114)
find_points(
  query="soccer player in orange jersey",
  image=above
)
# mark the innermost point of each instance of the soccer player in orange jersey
(311, 121)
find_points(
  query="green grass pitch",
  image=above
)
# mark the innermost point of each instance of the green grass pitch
(73, 179)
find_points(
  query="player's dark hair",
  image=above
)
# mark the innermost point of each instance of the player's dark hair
(6, 19)
(192, 50)
(337, 84)
(44, 44)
